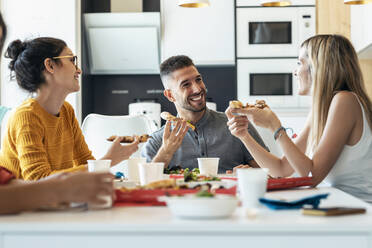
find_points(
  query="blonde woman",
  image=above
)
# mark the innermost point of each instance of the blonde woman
(336, 142)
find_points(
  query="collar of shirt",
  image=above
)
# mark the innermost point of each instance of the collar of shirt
(204, 120)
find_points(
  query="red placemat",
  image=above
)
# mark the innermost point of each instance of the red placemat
(149, 197)
(287, 183)
(283, 183)
(274, 183)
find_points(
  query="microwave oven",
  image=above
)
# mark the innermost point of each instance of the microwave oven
(271, 80)
(273, 31)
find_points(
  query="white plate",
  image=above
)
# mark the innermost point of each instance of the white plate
(192, 207)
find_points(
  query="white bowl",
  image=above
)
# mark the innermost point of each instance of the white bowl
(192, 207)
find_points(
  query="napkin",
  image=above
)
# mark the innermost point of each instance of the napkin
(313, 200)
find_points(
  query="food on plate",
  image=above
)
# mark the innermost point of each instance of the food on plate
(204, 193)
(129, 139)
(174, 170)
(161, 184)
(169, 117)
(194, 176)
(238, 104)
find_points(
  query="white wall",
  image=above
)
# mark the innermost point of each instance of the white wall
(27, 19)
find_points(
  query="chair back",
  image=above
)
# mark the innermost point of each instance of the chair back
(5, 113)
(97, 128)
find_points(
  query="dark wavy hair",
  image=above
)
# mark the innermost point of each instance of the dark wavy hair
(27, 60)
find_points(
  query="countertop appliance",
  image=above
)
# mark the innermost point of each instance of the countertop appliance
(268, 43)
(271, 80)
(151, 109)
(273, 31)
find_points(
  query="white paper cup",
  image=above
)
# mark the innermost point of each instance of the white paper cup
(208, 166)
(100, 166)
(131, 169)
(252, 183)
(150, 172)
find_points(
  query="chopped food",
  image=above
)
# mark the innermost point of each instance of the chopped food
(194, 176)
(174, 170)
(204, 193)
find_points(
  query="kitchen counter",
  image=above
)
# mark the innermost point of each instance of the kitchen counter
(155, 227)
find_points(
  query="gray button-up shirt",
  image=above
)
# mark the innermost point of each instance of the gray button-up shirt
(211, 139)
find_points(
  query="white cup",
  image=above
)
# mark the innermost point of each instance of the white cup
(100, 166)
(131, 169)
(208, 166)
(252, 183)
(150, 172)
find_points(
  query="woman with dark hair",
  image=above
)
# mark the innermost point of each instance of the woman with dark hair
(43, 135)
(18, 195)
(336, 142)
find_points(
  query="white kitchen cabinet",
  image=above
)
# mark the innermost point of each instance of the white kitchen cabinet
(206, 34)
(361, 31)
(31, 19)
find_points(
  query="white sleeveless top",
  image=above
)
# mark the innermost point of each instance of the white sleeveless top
(352, 171)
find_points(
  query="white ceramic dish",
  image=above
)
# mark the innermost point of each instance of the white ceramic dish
(192, 207)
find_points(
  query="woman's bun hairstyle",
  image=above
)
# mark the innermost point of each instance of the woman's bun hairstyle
(27, 60)
(13, 51)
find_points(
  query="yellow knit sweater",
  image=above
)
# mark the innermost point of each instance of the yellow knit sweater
(38, 143)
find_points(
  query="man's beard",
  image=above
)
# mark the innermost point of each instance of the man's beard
(186, 105)
(192, 109)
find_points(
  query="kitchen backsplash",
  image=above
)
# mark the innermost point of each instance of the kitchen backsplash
(111, 94)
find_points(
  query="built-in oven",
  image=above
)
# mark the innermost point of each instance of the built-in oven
(272, 31)
(271, 80)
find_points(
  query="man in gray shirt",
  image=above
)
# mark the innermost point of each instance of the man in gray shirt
(180, 145)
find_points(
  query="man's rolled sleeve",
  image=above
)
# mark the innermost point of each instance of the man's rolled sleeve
(152, 146)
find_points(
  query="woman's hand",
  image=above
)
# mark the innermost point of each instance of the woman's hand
(118, 152)
(238, 126)
(261, 117)
(84, 187)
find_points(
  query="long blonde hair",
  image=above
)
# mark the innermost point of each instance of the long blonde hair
(334, 67)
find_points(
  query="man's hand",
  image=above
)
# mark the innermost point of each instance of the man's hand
(241, 166)
(172, 140)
